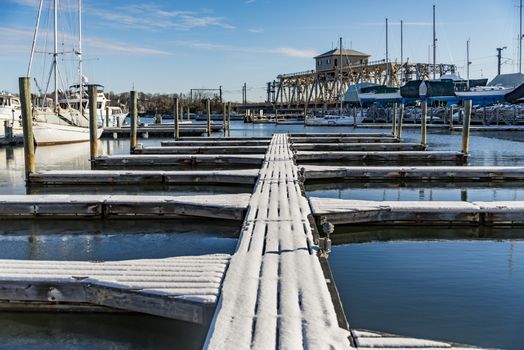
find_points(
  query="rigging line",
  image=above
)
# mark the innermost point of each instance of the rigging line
(35, 35)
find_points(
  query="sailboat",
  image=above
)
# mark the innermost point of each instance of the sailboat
(60, 123)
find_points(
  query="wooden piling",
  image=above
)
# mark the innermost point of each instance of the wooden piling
(224, 118)
(423, 120)
(175, 116)
(27, 125)
(465, 126)
(394, 120)
(93, 125)
(400, 120)
(208, 117)
(188, 113)
(354, 117)
(133, 111)
(107, 116)
(228, 116)
(451, 119)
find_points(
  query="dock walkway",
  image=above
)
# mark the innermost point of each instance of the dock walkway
(274, 294)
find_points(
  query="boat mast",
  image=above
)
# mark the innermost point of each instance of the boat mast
(467, 64)
(80, 73)
(434, 46)
(387, 55)
(520, 38)
(55, 52)
(341, 83)
(35, 35)
(401, 50)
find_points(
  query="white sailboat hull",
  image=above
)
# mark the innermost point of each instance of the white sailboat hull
(54, 134)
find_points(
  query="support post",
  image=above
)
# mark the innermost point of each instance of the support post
(305, 115)
(400, 121)
(27, 125)
(354, 117)
(175, 116)
(133, 112)
(451, 119)
(394, 120)
(208, 117)
(224, 118)
(423, 119)
(93, 123)
(228, 116)
(465, 127)
(107, 116)
(8, 130)
(188, 113)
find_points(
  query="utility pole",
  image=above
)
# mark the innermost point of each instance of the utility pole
(434, 46)
(499, 58)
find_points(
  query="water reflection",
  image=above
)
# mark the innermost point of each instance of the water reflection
(363, 234)
(463, 291)
(103, 240)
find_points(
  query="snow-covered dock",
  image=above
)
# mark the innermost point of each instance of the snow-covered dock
(159, 130)
(309, 146)
(416, 157)
(343, 139)
(221, 149)
(223, 206)
(217, 143)
(415, 173)
(141, 160)
(344, 211)
(144, 177)
(275, 294)
(184, 288)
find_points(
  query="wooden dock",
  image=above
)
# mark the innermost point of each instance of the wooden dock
(284, 300)
(414, 173)
(278, 290)
(183, 288)
(159, 130)
(226, 207)
(165, 160)
(346, 212)
(144, 177)
(412, 157)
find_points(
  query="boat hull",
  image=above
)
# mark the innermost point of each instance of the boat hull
(52, 134)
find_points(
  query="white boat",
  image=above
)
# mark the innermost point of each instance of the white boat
(114, 114)
(10, 111)
(333, 120)
(61, 123)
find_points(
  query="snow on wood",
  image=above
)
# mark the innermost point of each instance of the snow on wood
(274, 293)
(343, 211)
(221, 206)
(181, 287)
(115, 177)
(375, 173)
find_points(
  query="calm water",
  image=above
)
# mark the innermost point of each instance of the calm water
(463, 291)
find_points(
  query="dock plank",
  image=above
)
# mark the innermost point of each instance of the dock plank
(381, 156)
(179, 160)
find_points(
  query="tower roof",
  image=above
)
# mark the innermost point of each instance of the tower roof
(345, 52)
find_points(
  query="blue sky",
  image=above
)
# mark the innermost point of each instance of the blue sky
(172, 46)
